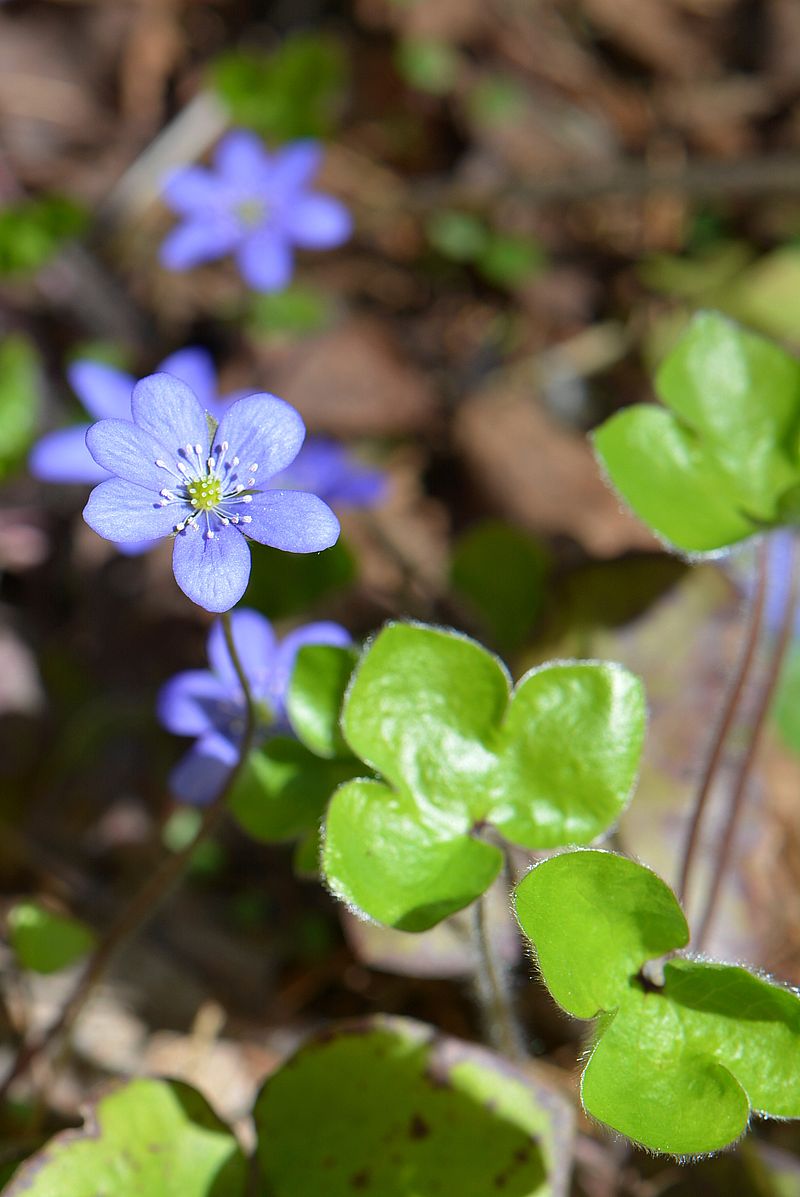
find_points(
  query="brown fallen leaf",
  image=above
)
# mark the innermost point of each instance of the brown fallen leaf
(542, 474)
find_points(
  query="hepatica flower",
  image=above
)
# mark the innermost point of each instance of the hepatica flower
(322, 466)
(255, 205)
(176, 473)
(209, 703)
(62, 456)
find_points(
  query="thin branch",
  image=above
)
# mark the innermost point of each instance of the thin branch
(725, 851)
(146, 901)
(725, 724)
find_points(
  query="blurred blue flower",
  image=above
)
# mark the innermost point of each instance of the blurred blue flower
(254, 204)
(332, 472)
(171, 476)
(209, 703)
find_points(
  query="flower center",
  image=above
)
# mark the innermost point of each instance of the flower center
(206, 493)
(209, 491)
(251, 212)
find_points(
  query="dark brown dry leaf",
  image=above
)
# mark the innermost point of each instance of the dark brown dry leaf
(542, 474)
(654, 32)
(354, 381)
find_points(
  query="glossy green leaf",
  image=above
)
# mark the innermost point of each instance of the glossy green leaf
(432, 713)
(20, 401)
(388, 1108)
(611, 912)
(284, 789)
(44, 942)
(715, 467)
(316, 694)
(677, 1065)
(146, 1138)
(296, 91)
(502, 572)
(34, 230)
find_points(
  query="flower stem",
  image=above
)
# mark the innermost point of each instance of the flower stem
(735, 692)
(739, 792)
(146, 901)
(493, 988)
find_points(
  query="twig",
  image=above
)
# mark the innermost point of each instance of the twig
(740, 788)
(733, 698)
(146, 901)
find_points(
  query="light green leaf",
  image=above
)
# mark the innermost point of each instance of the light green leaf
(460, 236)
(388, 1108)
(34, 230)
(146, 1138)
(44, 942)
(677, 1066)
(431, 712)
(20, 401)
(715, 468)
(284, 584)
(382, 855)
(502, 571)
(283, 790)
(316, 694)
(595, 919)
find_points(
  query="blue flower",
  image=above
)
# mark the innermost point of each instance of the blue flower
(209, 703)
(332, 472)
(173, 476)
(254, 204)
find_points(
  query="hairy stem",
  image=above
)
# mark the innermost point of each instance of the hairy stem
(146, 901)
(493, 989)
(727, 843)
(735, 692)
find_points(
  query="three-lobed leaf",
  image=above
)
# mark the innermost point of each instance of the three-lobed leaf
(433, 714)
(677, 1065)
(721, 461)
(386, 1107)
(145, 1138)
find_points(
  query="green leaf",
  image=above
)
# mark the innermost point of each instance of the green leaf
(428, 65)
(316, 694)
(509, 260)
(714, 469)
(44, 942)
(296, 311)
(34, 230)
(284, 789)
(146, 1138)
(502, 571)
(20, 401)
(388, 1108)
(460, 236)
(284, 584)
(677, 1066)
(432, 713)
(297, 91)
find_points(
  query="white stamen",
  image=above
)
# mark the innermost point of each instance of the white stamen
(238, 488)
(247, 519)
(247, 498)
(251, 481)
(162, 465)
(253, 467)
(210, 534)
(198, 450)
(224, 446)
(235, 461)
(211, 463)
